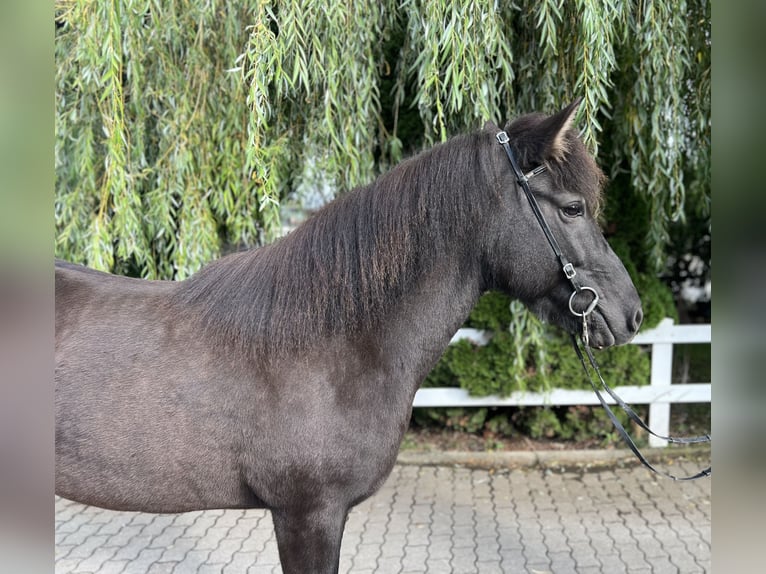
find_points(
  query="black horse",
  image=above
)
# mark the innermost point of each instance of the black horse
(283, 377)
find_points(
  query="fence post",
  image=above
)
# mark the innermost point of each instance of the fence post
(661, 378)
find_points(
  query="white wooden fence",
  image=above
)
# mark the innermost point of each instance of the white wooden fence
(658, 395)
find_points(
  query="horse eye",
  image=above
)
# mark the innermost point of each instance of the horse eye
(573, 210)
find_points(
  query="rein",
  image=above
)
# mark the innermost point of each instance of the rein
(571, 274)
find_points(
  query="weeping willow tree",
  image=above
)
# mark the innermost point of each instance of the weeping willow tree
(181, 125)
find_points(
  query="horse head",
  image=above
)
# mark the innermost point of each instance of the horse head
(518, 256)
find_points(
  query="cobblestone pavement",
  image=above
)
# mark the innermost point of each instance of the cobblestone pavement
(429, 519)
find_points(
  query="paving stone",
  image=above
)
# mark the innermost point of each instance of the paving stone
(487, 549)
(374, 533)
(146, 558)
(133, 548)
(585, 557)
(168, 537)
(212, 538)
(113, 567)
(94, 562)
(418, 535)
(602, 544)
(83, 532)
(63, 551)
(116, 525)
(483, 567)
(157, 524)
(230, 518)
(415, 558)
(161, 568)
(631, 554)
(123, 536)
(256, 541)
(243, 527)
(240, 562)
(225, 551)
(366, 556)
(178, 550)
(464, 562)
(650, 546)
(391, 565)
(193, 560)
(512, 559)
(612, 563)
(562, 562)
(87, 547)
(619, 533)
(662, 565)
(206, 568)
(539, 567)
(393, 547)
(66, 565)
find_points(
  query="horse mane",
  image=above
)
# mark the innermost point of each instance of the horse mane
(338, 272)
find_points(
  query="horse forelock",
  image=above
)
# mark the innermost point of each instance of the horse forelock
(340, 271)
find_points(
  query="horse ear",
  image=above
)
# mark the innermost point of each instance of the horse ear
(490, 126)
(553, 131)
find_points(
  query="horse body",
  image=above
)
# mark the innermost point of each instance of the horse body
(283, 377)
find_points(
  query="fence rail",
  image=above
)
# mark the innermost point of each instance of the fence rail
(659, 394)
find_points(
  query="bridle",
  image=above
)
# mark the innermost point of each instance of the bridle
(571, 274)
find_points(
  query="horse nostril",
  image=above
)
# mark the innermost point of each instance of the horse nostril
(639, 316)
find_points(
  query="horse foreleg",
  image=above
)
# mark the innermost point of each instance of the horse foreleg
(309, 542)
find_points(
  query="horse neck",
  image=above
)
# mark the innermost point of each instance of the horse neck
(421, 324)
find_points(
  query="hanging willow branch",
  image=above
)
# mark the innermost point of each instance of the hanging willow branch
(151, 136)
(182, 126)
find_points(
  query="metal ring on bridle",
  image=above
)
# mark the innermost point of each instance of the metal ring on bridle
(590, 307)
